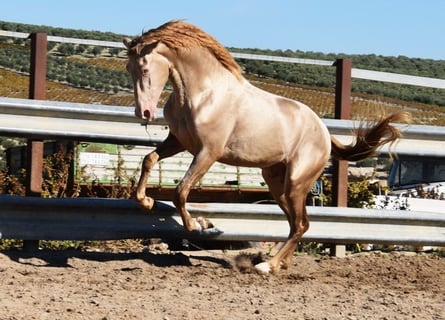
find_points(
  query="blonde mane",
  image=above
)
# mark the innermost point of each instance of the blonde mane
(178, 34)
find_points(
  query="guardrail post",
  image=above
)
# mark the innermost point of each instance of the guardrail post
(343, 86)
(37, 90)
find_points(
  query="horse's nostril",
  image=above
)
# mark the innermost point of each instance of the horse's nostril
(146, 115)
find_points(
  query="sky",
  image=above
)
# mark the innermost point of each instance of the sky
(411, 28)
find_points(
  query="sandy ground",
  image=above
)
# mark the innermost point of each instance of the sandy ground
(160, 284)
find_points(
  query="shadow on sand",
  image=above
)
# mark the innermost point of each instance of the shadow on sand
(60, 259)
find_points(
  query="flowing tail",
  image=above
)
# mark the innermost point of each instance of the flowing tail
(368, 138)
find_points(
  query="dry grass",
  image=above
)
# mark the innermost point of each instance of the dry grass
(15, 85)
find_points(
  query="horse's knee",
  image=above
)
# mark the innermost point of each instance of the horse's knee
(150, 160)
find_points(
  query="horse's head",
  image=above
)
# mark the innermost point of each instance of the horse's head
(149, 71)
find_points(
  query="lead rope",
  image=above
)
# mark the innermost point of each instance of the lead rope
(146, 129)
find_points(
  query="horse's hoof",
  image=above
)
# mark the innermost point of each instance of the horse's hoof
(263, 268)
(204, 227)
(210, 232)
(203, 223)
(147, 203)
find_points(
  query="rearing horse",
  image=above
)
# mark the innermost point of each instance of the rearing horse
(217, 115)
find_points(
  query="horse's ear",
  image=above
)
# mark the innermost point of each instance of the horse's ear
(148, 48)
(127, 42)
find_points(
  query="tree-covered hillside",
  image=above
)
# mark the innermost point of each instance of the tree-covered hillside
(323, 76)
(62, 67)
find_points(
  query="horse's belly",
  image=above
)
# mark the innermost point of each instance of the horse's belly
(252, 155)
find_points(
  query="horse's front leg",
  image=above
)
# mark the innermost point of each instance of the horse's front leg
(199, 166)
(168, 148)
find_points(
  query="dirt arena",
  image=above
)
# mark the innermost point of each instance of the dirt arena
(155, 283)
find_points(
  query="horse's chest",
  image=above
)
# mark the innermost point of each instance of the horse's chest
(185, 133)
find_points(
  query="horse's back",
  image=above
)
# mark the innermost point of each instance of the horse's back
(270, 129)
(290, 118)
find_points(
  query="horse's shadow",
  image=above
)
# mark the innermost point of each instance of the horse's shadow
(165, 227)
(61, 258)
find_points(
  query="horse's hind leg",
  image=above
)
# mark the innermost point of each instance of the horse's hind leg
(293, 202)
(299, 224)
(168, 148)
(275, 178)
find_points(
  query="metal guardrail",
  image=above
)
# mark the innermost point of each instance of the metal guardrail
(31, 218)
(47, 120)
(83, 111)
(35, 218)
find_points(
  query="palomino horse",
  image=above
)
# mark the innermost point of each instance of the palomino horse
(217, 115)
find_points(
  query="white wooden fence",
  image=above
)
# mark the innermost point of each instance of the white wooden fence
(356, 73)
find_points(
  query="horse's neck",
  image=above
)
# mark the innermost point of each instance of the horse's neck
(179, 90)
(198, 72)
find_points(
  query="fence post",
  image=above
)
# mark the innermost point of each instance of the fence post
(37, 90)
(342, 111)
(343, 86)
